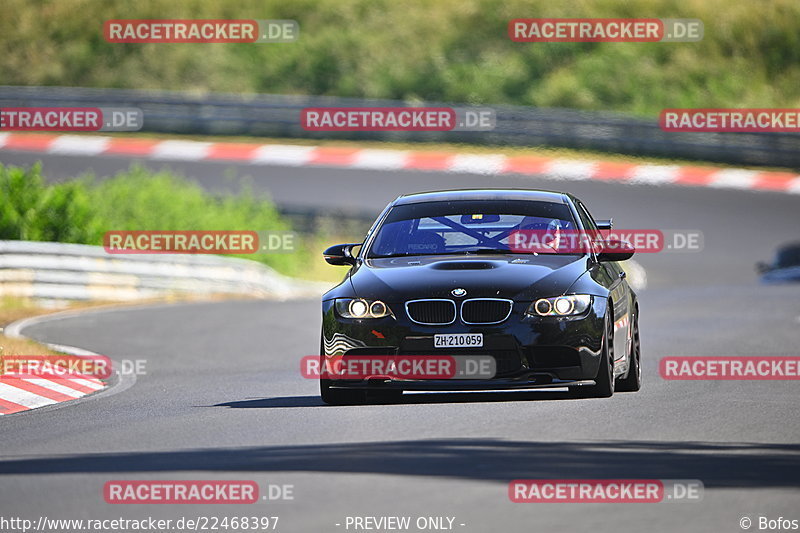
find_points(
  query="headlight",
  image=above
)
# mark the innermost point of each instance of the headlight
(361, 308)
(570, 305)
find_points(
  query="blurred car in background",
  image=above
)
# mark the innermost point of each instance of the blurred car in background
(784, 267)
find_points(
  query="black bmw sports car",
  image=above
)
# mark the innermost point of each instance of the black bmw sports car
(480, 278)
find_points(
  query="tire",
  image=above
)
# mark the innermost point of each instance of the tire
(633, 381)
(333, 396)
(604, 381)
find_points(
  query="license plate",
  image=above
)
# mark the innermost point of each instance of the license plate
(458, 340)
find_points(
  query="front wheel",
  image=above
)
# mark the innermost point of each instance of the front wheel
(604, 381)
(633, 381)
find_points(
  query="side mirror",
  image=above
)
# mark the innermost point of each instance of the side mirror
(607, 225)
(762, 267)
(340, 254)
(615, 250)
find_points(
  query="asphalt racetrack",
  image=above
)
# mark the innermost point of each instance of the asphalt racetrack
(223, 397)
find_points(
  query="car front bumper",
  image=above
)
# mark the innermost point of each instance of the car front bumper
(529, 351)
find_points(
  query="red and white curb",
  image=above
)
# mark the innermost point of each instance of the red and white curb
(19, 394)
(371, 159)
(22, 394)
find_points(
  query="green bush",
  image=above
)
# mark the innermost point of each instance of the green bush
(36, 212)
(82, 210)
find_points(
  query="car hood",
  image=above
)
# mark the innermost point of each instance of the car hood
(517, 277)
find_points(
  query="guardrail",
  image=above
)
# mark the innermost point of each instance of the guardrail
(278, 116)
(346, 221)
(48, 270)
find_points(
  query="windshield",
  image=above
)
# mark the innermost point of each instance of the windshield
(788, 257)
(470, 227)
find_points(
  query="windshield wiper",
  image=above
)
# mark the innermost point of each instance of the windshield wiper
(490, 251)
(400, 254)
(452, 252)
(384, 256)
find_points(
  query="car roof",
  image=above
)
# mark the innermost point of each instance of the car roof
(482, 194)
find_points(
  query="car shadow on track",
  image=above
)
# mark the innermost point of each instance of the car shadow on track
(722, 465)
(406, 399)
(279, 401)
